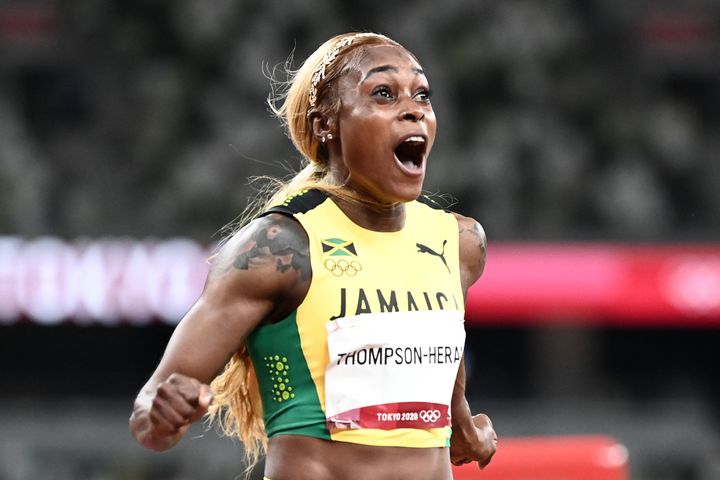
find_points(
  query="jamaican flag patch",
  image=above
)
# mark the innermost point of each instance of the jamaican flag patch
(337, 247)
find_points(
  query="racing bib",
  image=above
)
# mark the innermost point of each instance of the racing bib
(392, 370)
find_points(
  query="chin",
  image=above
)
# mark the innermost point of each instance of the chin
(390, 194)
(407, 193)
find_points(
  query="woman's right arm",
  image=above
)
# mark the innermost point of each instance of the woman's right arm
(260, 275)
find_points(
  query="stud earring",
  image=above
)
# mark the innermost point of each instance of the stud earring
(329, 136)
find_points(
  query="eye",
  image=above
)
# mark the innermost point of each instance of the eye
(383, 92)
(423, 95)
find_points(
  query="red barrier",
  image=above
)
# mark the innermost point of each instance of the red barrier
(552, 458)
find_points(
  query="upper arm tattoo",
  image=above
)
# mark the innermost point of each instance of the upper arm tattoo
(477, 243)
(274, 238)
(474, 231)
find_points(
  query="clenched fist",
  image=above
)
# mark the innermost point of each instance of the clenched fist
(473, 443)
(163, 414)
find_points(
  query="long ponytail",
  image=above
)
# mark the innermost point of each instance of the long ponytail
(237, 406)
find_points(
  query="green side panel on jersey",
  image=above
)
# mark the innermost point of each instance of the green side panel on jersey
(289, 397)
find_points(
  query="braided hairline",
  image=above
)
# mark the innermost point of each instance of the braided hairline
(327, 60)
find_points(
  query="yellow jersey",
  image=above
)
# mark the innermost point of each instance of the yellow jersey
(371, 354)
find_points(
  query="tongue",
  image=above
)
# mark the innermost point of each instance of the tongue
(405, 153)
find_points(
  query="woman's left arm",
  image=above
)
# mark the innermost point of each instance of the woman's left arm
(473, 437)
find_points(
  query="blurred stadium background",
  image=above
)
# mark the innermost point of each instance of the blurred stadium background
(585, 136)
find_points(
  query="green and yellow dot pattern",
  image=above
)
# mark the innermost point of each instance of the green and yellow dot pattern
(290, 197)
(278, 368)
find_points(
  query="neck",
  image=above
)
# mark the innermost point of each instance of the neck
(363, 208)
(372, 216)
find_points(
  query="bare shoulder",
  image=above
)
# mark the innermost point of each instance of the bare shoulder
(258, 276)
(473, 249)
(268, 257)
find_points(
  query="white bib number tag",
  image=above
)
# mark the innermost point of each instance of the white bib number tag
(393, 370)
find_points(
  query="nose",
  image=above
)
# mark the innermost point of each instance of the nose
(410, 110)
(412, 114)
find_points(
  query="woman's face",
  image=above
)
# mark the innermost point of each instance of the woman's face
(386, 126)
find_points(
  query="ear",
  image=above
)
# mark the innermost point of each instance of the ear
(322, 126)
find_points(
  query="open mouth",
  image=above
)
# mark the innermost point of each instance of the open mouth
(411, 152)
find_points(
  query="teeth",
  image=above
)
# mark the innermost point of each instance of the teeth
(415, 139)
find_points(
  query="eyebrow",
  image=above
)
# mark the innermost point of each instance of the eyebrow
(388, 68)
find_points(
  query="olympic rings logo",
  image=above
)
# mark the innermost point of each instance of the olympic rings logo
(340, 267)
(430, 416)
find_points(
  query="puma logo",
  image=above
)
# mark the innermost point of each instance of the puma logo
(425, 249)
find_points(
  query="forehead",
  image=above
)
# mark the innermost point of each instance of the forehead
(381, 55)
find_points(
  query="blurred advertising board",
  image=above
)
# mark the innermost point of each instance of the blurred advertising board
(637, 285)
(128, 281)
(110, 281)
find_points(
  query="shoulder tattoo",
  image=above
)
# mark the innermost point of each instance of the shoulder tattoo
(473, 234)
(274, 239)
(475, 231)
